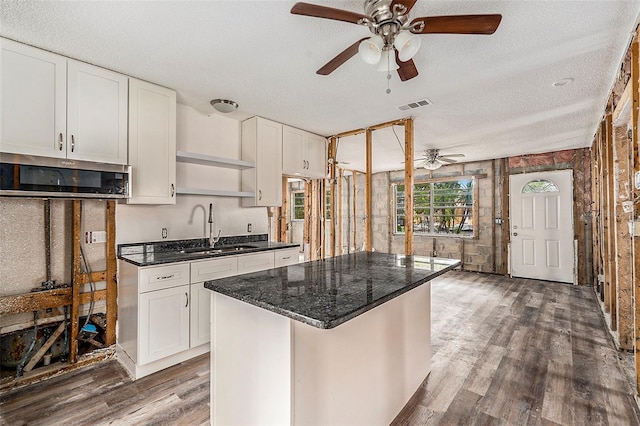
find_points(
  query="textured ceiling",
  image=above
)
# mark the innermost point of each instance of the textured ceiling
(493, 96)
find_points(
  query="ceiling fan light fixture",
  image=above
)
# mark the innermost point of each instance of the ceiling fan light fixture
(388, 62)
(407, 45)
(224, 105)
(432, 166)
(370, 50)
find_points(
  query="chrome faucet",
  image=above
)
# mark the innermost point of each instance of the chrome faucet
(212, 240)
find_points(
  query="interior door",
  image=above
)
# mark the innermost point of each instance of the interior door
(541, 206)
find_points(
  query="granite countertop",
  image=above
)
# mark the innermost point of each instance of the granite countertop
(326, 293)
(161, 252)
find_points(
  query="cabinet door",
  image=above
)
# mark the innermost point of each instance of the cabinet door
(34, 96)
(164, 323)
(200, 315)
(96, 114)
(269, 163)
(316, 155)
(255, 262)
(293, 159)
(152, 143)
(287, 257)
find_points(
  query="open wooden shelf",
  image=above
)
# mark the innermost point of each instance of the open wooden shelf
(208, 160)
(214, 192)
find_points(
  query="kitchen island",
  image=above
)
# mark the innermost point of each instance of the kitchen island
(344, 340)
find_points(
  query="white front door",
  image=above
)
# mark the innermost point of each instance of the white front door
(541, 219)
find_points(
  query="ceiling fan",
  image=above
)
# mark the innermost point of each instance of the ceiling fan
(395, 38)
(432, 160)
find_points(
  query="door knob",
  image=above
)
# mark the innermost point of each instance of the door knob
(515, 234)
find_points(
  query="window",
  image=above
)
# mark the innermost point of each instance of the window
(439, 208)
(297, 205)
(540, 185)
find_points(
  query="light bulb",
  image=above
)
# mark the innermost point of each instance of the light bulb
(370, 50)
(388, 61)
(407, 45)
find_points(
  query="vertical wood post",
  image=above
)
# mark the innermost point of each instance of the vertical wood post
(368, 190)
(76, 281)
(340, 212)
(284, 212)
(504, 207)
(408, 187)
(354, 178)
(112, 284)
(322, 211)
(623, 242)
(635, 152)
(306, 232)
(333, 147)
(612, 289)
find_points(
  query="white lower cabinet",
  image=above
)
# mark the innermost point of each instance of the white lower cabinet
(164, 311)
(164, 318)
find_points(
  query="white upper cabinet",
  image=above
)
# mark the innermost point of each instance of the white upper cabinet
(96, 114)
(34, 99)
(57, 107)
(303, 153)
(152, 143)
(262, 144)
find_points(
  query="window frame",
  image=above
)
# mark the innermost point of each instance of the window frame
(475, 214)
(293, 205)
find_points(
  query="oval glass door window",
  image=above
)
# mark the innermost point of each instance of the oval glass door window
(539, 185)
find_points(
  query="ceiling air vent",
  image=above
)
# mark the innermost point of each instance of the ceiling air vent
(415, 104)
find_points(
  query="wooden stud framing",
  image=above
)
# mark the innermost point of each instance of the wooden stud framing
(340, 212)
(75, 281)
(504, 208)
(368, 190)
(604, 215)
(635, 116)
(354, 179)
(408, 187)
(111, 271)
(283, 226)
(333, 147)
(612, 290)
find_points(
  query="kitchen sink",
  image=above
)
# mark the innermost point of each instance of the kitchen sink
(216, 250)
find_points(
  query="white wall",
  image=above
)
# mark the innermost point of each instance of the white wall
(204, 134)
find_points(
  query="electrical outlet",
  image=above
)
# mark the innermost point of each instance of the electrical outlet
(249, 227)
(93, 237)
(165, 233)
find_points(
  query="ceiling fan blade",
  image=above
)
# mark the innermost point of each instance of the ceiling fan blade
(406, 3)
(340, 59)
(318, 11)
(446, 160)
(407, 70)
(459, 24)
(452, 155)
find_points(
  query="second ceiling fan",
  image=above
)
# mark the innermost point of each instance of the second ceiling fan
(395, 38)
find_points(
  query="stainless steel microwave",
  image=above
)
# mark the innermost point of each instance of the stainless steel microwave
(33, 176)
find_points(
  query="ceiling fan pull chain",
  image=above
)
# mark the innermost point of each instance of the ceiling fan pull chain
(388, 74)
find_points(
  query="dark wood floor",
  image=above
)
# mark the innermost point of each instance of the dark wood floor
(505, 352)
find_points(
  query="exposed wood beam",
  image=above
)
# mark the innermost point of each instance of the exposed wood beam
(340, 212)
(504, 213)
(635, 116)
(408, 187)
(111, 271)
(333, 148)
(368, 190)
(76, 274)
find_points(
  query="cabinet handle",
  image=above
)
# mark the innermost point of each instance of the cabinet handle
(173, 190)
(73, 143)
(60, 143)
(259, 194)
(186, 295)
(166, 277)
(285, 258)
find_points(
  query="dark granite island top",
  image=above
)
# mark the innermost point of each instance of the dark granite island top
(326, 293)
